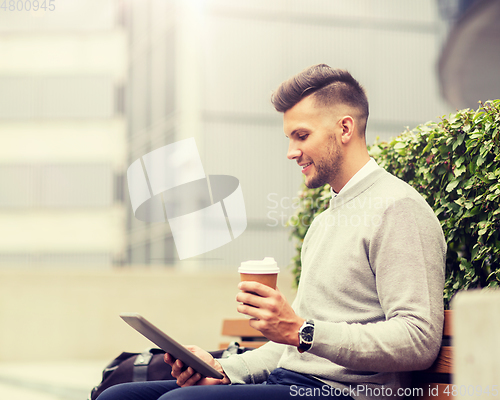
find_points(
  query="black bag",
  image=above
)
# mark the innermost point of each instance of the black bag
(147, 366)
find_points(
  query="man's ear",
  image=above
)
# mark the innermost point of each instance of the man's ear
(348, 125)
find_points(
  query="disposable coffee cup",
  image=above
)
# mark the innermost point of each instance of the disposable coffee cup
(264, 271)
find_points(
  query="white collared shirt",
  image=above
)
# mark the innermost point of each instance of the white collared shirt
(368, 168)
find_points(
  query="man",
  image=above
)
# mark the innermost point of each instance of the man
(369, 304)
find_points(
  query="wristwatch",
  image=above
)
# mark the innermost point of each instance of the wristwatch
(306, 336)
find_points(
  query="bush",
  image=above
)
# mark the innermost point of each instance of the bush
(455, 165)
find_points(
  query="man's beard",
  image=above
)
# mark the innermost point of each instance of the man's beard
(326, 168)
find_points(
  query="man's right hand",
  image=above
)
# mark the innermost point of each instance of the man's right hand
(189, 377)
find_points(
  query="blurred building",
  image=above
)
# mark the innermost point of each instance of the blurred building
(206, 69)
(469, 64)
(62, 134)
(90, 87)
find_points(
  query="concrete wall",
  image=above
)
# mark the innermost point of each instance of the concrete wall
(67, 314)
(476, 330)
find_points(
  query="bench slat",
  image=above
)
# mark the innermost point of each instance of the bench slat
(448, 323)
(240, 328)
(443, 363)
(254, 344)
(249, 337)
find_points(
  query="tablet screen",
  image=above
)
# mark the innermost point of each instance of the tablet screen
(169, 345)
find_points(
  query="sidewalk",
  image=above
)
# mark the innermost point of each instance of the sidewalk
(49, 381)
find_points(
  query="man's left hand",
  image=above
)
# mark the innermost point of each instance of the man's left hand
(270, 311)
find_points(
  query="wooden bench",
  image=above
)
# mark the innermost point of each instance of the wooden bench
(243, 333)
(433, 383)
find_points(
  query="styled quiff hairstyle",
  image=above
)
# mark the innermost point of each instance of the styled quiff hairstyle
(329, 86)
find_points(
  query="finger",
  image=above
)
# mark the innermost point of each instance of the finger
(177, 368)
(249, 299)
(187, 376)
(254, 323)
(251, 311)
(183, 377)
(169, 359)
(255, 287)
(192, 380)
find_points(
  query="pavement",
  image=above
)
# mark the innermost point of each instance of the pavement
(49, 380)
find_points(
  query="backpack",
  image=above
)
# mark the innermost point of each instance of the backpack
(147, 366)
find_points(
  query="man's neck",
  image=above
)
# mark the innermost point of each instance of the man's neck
(350, 168)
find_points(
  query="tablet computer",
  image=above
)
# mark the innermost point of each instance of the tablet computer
(169, 345)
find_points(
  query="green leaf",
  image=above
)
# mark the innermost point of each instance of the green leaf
(472, 167)
(459, 162)
(460, 170)
(375, 151)
(444, 150)
(469, 204)
(400, 148)
(439, 211)
(475, 211)
(426, 148)
(491, 197)
(452, 185)
(480, 160)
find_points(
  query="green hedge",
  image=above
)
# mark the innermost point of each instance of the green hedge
(454, 164)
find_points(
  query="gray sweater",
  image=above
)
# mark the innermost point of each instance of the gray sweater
(372, 280)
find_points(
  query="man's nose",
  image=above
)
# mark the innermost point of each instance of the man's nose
(293, 151)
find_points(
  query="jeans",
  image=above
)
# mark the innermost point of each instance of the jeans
(282, 384)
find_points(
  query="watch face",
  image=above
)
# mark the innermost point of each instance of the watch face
(307, 334)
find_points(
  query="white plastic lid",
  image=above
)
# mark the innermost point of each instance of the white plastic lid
(266, 266)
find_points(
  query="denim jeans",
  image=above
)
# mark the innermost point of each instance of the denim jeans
(282, 384)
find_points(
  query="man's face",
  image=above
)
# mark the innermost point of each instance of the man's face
(312, 132)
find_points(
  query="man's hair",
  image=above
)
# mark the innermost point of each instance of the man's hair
(330, 86)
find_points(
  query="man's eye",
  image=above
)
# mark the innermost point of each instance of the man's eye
(303, 137)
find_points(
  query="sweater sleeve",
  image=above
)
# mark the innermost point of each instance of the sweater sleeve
(252, 366)
(406, 252)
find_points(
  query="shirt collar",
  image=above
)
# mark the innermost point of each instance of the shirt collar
(368, 168)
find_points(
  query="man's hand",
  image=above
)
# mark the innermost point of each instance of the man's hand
(270, 311)
(188, 376)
